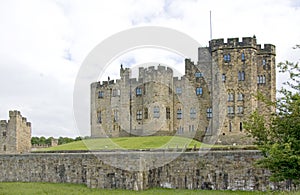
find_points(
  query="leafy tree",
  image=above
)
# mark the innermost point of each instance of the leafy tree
(35, 140)
(78, 138)
(64, 140)
(278, 136)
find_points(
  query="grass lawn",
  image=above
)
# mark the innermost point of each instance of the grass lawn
(149, 142)
(14, 188)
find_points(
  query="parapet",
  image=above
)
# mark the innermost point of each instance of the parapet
(3, 122)
(232, 42)
(268, 49)
(103, 84)
(14, 113)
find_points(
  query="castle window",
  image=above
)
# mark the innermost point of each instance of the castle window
(243, 57)
(206, 129)
(139, 115)
(100, 94)
(198, 74)
(240, 109)
(230, 110)
(178, 90)
(241, 126)
(199, 91)
(261, 79)
(156, 112)
(168, 113)
(240, 97)
(99, 117)
(192, 113)
(209, 112)
(230, 97)
(4, 148)
(4, 133)
(227, 58)
(138, 91)
(179, 113)
(230, 127)
(223, 77)
(191, 128)
(145, 113)
(180, 130)
(115, 92)
(241, 76)
(116, 117)
(264, 62)
(170, 89)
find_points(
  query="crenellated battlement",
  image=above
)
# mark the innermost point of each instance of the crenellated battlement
(3, 122)
(14, 113)
(151, 70)
(232, 43)
(268, 49)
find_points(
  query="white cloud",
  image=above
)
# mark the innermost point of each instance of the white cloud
(43, 44)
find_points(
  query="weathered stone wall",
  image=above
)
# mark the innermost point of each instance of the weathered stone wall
(227, 170)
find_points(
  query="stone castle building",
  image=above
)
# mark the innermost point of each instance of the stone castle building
(15, 134)
(212, 99)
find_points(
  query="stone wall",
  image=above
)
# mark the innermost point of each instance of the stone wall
(225, 170)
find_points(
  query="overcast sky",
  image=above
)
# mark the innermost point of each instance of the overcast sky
(43, 43)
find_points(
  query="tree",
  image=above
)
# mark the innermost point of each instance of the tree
(278, 136)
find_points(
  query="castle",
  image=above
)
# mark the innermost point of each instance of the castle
(213, 98)
(15, 134)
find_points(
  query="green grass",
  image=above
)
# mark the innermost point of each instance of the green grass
(15, 188)
(137, 143)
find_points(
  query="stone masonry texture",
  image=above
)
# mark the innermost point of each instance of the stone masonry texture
(218, 170)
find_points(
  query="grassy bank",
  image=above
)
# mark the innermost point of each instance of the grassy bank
(13, 188)
(136, 143)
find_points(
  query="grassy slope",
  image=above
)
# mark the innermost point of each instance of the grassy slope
(128, 143)
(50, 188)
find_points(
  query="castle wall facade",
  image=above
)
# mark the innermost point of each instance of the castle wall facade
(210, 102)
(15, 134)
(218, 170)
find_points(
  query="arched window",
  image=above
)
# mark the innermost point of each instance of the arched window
(138, 91)
(243, 57)
(156, 112)
(179, 113)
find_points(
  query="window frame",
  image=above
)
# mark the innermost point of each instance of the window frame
(199, 91)
(156, 111)
(100, 94)
(179, 113)
(138, 91)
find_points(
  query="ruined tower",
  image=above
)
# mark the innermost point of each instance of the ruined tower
(15, 134)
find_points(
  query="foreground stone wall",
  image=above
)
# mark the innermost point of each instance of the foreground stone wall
(226, 170)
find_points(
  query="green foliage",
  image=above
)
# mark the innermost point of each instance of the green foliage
(64, 140)
(278, 136)
(42, 141)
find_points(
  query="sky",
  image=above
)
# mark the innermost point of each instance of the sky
(44, 43)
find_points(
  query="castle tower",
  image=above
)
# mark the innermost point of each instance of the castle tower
(245, 69)
(15, 134)
(211, 101)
